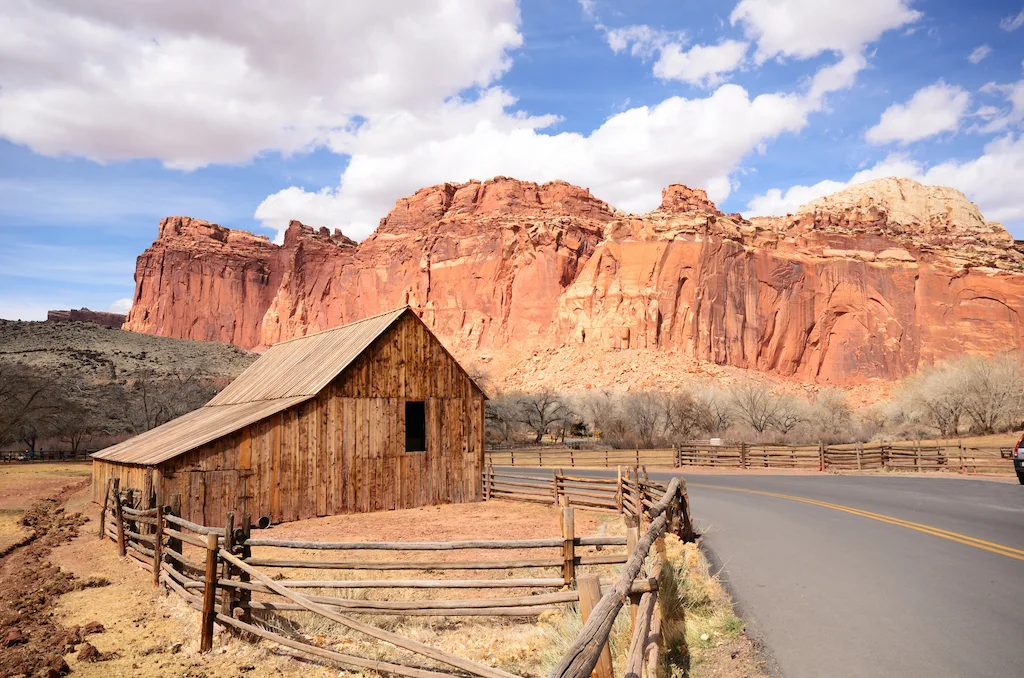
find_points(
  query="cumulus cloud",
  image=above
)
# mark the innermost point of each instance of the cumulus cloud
(805, 28)
(121, 306)
(932, 110)
(194, 82)
(1012, 23)
(979, 53)
(701, 64)
(992, 180)
(1012, 113)
(627, 161)
(776, 202)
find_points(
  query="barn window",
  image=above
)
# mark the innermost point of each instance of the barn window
(415, 426)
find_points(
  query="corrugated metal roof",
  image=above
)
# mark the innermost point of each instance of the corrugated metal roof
(303, 366)
(191, 430)
(287, 374)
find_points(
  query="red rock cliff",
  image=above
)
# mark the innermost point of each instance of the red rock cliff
(867, 283)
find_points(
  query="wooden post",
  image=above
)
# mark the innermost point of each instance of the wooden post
(227, 602)
(618, 490)
(172, 543)
(860, 461)
(743, 455)
(632, 537)
(119, 517)
(244, 596)
(147, 497)
(158, 538)
(488, 481)
(103, 513)
(556, 485)
(209, 594)
(589, 588)
(568, 544)
(821, 457)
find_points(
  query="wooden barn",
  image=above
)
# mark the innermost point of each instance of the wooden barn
(370, 416)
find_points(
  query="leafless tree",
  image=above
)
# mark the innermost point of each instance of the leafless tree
(503, 416)
(755, 404)
(714, 411)
(149, 400)
(993, 391)
(642, 410)
(681, 415)
(539, 412)
(831, 416)
(27, 403)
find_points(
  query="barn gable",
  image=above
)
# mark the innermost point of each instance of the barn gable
(338, 441)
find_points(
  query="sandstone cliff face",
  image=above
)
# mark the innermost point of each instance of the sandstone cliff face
(869, 283)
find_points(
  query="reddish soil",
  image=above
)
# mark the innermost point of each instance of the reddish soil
(33, 641)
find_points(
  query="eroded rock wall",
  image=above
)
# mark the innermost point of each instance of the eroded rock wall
(869, 283)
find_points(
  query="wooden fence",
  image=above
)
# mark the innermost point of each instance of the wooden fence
(222, 572)
(851, 457)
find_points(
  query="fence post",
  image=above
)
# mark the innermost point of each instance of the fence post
(119, 517)
(860, 462)
(103, 513)
(488, 480)
(227, 602)
(589, 588)
(158, 538)
(174, 544)
(618, 490)
(245, 595)
(568, 543)
(556, 486)
(743, 455)
(209, 594)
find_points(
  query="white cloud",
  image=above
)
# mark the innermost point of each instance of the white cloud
(999, 119)
(194, 82)
(627, 161)
(932, 110)
(701, 64)
(1012, 23)
(992, 180)
(775, 202)
(979, 53)
(121, 306)
(805, 28)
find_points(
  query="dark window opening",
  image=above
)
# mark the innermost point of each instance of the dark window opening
(415, 426)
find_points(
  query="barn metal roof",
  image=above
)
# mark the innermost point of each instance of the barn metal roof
(191, 430)
(303, 366)
(289, 373)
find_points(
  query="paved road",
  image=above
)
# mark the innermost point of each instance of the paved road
(833, 593)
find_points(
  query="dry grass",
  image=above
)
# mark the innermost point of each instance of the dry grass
(22, 484)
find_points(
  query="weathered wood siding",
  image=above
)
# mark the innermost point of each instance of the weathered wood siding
(132, 476)
(344, 450)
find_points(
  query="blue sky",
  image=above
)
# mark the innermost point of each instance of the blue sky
(113, 115)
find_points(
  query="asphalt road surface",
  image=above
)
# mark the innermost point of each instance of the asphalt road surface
(931, 583)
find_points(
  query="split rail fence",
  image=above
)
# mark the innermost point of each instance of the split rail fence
(223, 572)
(855, 457)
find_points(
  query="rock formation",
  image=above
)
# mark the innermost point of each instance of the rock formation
(84, 315)
(868, 283)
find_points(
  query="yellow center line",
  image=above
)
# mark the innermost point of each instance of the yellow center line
(993, 547)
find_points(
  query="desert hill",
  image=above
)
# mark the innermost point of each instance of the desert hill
(105, 353)
(863, 286)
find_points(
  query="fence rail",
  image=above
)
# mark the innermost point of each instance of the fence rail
(215, 571)
(855, 457)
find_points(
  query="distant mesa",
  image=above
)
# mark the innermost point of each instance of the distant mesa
(84, 315)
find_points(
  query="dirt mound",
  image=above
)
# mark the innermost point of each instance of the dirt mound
(33, 642)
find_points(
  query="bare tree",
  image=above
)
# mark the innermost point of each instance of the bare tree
(936, 396)
(755, 404)
(993, 391)
(831, 416)
(503, 416)
(714, 411)
(541, 411)
(681, 415)
(642, 409)
(26, 402)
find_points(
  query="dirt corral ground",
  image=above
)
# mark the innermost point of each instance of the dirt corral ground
(69, 604)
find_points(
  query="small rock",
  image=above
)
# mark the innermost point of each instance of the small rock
(13, 637)
(91, 628)
(176, 648)
(89, 654)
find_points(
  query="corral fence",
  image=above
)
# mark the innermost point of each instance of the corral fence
(850, 457)
(225, 573)
(22, 456)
